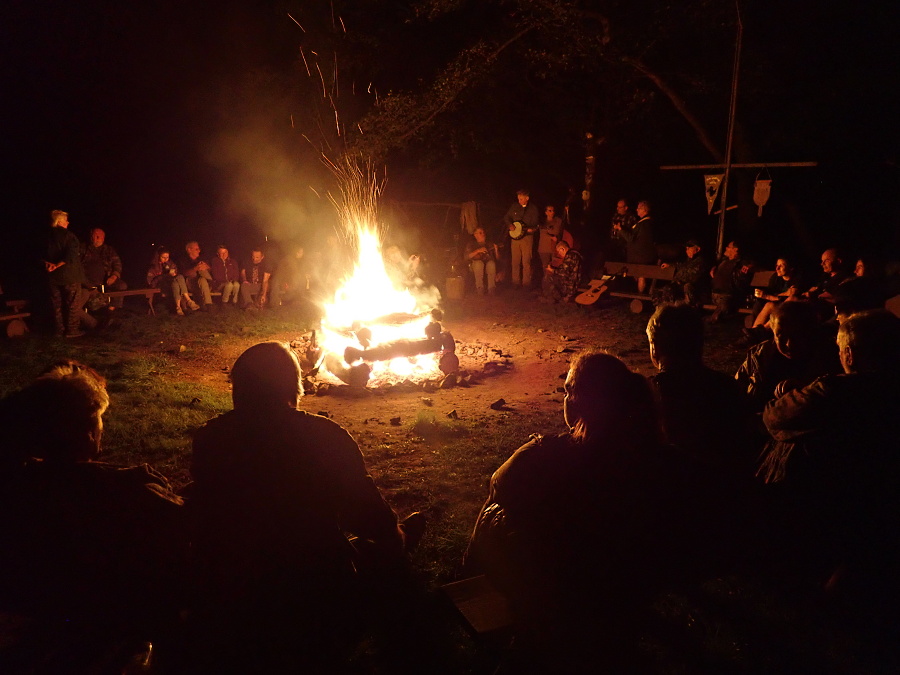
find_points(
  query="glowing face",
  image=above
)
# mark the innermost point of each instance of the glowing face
(98, 236)
(164, 257)
(256, 257)
(193, 249)
(570, 408)
(523, 199)
(223, 253)
(731, 251)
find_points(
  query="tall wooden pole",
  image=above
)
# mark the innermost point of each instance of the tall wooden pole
(720, 243)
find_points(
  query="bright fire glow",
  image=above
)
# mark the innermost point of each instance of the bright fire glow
(370, 293)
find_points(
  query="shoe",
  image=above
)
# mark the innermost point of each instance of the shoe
(76, 334)
(179, 311)
(193, 305)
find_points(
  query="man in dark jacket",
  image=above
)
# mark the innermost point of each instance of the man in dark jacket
(66, 275)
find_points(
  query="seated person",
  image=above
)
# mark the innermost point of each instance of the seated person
(801, 349)
(482, 256)
(195, 271)
(89, 549)
(163, 274)
(403, 271)
(255, 278)
(858, 294)
(225, 276)
(102, 266)
(291, 280)
(688, 282)
(579, 531)
(833, 275)
(561, 283)
(703, 410)
(730, 281)
(785, 284)
(275, 490)
(835, 458)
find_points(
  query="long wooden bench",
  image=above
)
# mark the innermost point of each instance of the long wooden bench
(148, 293)
(16, 326)
(656, 273)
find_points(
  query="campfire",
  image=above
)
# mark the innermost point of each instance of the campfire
(374, 332)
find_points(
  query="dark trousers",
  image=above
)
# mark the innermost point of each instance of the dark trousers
(68, 301)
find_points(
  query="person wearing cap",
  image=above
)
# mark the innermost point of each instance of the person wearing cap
(687, 283)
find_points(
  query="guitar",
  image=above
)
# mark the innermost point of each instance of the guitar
(597, 287)
(519, 230)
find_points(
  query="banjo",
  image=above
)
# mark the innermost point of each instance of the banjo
(518, 230)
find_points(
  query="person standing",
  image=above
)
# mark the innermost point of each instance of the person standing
(66, 275)
(522, 221)
(640, 248)
(625, 219)
(551, 233)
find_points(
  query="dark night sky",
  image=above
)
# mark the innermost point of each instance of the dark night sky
(110, 110)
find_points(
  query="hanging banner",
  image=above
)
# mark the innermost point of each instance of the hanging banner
(713, 181)
(761, 190)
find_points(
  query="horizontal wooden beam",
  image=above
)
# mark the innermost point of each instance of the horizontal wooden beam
(676, 167)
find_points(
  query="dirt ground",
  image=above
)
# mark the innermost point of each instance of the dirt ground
(515, 349)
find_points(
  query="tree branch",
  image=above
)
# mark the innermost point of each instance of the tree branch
(679, 104)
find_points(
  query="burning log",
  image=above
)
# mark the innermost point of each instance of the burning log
(355, 376)
(400, 348)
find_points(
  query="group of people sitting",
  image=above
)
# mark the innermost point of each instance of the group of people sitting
(282, 549)
(81, 275)
(787, 472)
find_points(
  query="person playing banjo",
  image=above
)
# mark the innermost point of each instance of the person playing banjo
(522, 221)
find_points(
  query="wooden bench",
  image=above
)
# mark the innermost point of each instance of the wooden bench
(653, 272)
(761, 279)
(656, 273)
(148, 293)
(16, 326)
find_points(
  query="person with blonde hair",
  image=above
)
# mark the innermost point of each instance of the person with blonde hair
(65, 275)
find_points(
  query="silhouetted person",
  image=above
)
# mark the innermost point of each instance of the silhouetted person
(275, 490)
(578, 531)
(91, 552)
(702, 409)
(836, 460)
(800, 351)
(65, 276)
